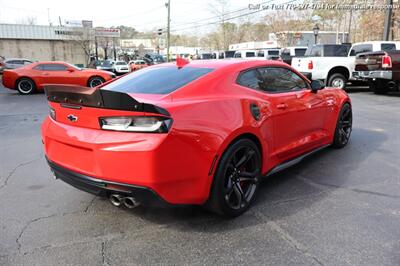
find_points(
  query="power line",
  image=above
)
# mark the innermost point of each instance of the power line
(227, 19)
(224, 14)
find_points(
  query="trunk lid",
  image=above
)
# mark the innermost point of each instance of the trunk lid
(83, 107)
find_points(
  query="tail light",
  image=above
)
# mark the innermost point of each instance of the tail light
(386, 62)
(2, 64)
(310, 64)
(150, 124)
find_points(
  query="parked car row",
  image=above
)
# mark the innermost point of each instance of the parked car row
(335, 63)
(121, 67)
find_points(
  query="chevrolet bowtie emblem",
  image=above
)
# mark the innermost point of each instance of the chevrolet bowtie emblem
(72, 118)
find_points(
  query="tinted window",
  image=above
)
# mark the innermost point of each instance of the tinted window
(15, 62)
(361, 48)
(161, 80)
(388, 47)
(51, 67)
(335, 50)
(273, 52)
(315, 50)
(300, 52)
(285, 52)
(249, 79)
(276, 79)
(250, 54)
(107, 64)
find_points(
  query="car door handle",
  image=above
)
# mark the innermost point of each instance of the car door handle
(282, 106)
(45, 74)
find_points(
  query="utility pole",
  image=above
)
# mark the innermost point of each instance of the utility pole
(388, 21)
(48, 16)
(168, 5)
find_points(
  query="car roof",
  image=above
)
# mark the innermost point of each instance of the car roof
(231, 62)
(51, 62)
(10, 59)
(375, 42)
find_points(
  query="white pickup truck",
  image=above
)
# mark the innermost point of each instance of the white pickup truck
(334, 63)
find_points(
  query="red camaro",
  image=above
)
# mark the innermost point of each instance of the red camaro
(199, 133)
(33, 77)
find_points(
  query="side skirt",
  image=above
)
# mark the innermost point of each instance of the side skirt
(294, 161)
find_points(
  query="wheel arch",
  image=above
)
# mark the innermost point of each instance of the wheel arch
(26, 77)
(94, 76)
(338, 69)
(243, 134)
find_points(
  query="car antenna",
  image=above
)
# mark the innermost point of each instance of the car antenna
(181, 62)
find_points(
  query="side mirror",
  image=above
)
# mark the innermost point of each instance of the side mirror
(317, 85)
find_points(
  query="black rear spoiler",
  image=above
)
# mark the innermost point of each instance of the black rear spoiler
(75, 96)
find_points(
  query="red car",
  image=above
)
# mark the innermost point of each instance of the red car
(198, 133)
(33, 77)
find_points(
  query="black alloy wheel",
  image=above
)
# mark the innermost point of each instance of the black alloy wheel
(236, 179)
(343, 127)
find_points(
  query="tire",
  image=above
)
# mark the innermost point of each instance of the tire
(236, 179)
(337, 80)
(95, 81)
(25, 86)
(343, 127)
(378, 87)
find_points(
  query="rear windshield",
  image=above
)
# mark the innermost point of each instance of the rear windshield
(160, 80)
(300, 51)
(120, 63)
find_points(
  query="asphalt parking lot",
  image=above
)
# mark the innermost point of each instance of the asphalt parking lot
(338, 207)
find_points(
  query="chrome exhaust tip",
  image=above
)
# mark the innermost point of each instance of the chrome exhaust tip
(116, 200)
(130, 202)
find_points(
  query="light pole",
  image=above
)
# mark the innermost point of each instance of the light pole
(168, 6)
(316, 31)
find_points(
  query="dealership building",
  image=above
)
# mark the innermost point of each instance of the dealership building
(45, 43)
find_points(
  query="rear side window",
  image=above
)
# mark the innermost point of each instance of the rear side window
(238, 55)
(160, 80)
(250, 54)
(260, 54)
(250, 79)
(388, 47)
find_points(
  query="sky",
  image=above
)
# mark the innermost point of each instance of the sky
(144, 15)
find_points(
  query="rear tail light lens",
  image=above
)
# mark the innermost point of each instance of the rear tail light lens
(310, 64)
(386, 62)
(149, 124)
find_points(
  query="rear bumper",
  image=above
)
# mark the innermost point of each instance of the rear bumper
(145, 196)
(377, 74)
(162, 163)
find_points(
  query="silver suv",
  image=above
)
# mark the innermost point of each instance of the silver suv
(12, 63)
